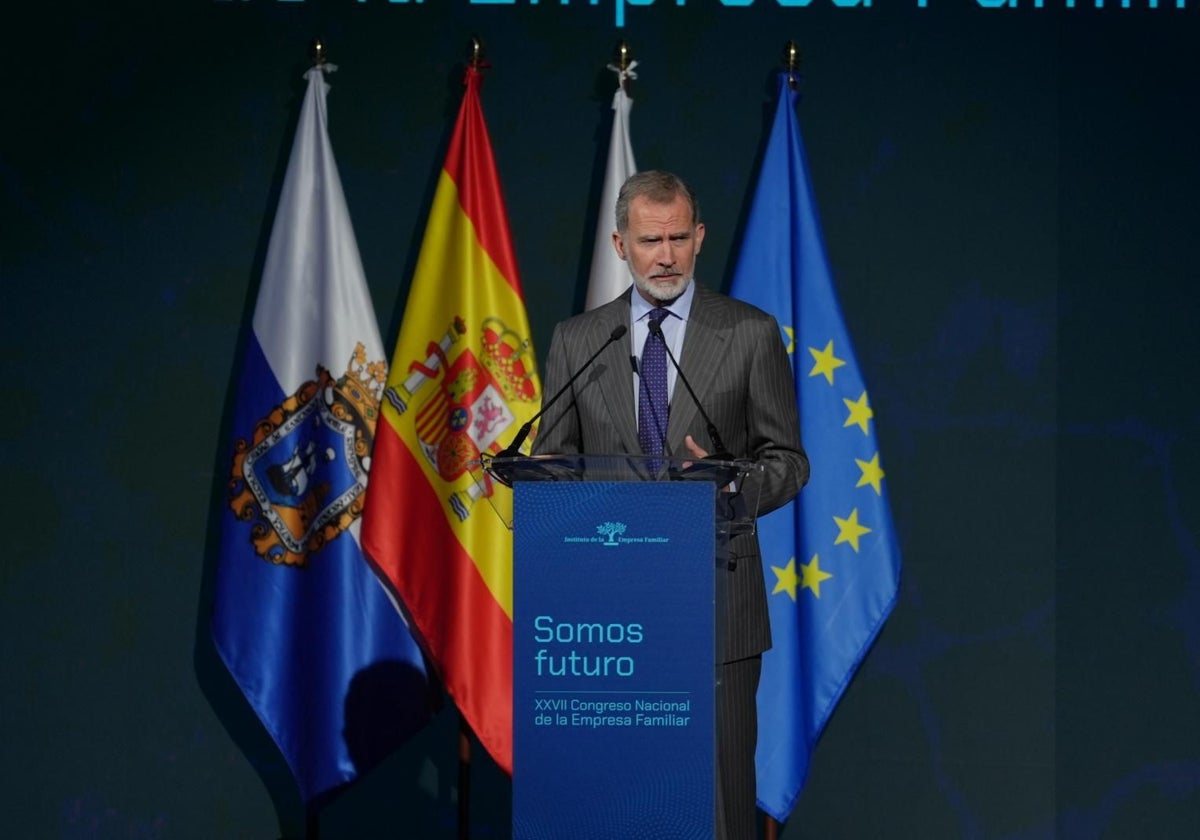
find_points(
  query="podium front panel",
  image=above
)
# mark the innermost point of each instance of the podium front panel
(613, 639)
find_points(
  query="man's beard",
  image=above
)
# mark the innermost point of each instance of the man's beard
(659, 289)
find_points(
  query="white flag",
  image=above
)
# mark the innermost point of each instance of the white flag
(610, 276)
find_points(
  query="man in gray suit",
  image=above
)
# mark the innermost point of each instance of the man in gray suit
(732, 355)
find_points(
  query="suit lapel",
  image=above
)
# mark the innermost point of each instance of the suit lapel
(704, 344)
(616, 383)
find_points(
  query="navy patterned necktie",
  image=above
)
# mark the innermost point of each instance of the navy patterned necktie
(652, 395)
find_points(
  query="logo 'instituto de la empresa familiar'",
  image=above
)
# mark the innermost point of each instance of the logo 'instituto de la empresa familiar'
(610, 533)
(300, 480)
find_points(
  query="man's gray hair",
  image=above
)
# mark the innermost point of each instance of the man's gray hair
(656, 186)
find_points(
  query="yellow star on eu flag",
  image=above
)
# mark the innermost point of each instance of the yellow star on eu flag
(786, 579)
(872, 473)
(849, 530)
(860, 413)
(811, 576)
(826, 362)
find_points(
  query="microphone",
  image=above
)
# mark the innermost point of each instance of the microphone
(514, 448)
(721, 454)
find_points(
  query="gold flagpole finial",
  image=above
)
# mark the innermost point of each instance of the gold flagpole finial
(318, 52)
(477, 53)
(624, 62)
(791, 62)
(622, 56)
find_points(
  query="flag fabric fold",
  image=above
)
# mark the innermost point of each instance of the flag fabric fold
(304, 626)
(831, 558)
(609, 275)
(463, 379)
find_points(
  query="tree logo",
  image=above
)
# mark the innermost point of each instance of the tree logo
(611, 530)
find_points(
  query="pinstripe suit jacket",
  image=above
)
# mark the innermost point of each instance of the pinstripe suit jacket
(735, 360)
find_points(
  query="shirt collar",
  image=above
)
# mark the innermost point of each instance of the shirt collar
(680, 307)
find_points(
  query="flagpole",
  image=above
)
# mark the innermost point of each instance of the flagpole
(791, 63)
(464, 778)
(312, 818)
(464, 728)
(791, 60)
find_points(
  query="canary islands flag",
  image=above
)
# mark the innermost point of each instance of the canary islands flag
(299, 618)
(463, 380)
(831, 559)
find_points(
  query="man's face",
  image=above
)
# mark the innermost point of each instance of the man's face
(660, 247)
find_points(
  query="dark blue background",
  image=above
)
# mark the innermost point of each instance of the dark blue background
(1009, 203)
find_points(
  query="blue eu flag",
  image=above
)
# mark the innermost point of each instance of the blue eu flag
(831, 559)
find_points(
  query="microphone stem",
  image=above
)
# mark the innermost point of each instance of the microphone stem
(718, 445)
(514, 448)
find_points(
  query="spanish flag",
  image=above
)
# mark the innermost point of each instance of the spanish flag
(462, 381)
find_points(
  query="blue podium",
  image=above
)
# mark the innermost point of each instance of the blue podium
(614, 599)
